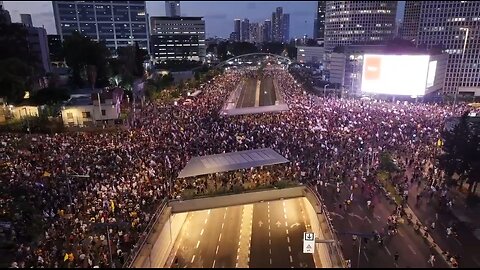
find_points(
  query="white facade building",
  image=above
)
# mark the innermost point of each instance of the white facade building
(306, 54)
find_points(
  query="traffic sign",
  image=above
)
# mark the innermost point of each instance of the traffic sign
(308, 242)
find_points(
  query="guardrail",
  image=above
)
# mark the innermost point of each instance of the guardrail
(325, 212)
(145, 235)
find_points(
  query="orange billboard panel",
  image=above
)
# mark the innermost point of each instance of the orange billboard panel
(372, 68)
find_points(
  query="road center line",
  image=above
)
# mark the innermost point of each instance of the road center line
(206, 220)
(288, 239)
(193, 259)
(223, 225)
(289, 249)
(213, 266)
(270, 260)
(219, 237)
(201, 233)
(364, 254)
(198, 243)
(216, 251)
(291, 259)
(388, 250)
(287, 231)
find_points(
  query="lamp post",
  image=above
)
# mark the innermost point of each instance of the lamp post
(325, 89)
(462, 65)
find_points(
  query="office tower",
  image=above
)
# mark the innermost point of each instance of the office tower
(236, 29)
(55, 48)
(245, 31)
(319, 23)
(286, 27)
(277, 25)
(4, 15)
(256, 32)
(172, 8)
(358, 22)
(117, 23)
(453, 26)
(411, 19)
(38, 47)
(26, 19)
(178, 38)
(267, 31)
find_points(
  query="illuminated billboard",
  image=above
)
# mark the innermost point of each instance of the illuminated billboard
(396, 74)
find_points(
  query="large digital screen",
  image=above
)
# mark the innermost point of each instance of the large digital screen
(395, 74)
(432, 67)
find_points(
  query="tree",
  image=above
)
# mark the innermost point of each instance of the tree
(461, 152)
(81, 52)
(13, 79)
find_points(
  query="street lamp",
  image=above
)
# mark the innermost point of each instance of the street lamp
(462, 62)
(325, 89)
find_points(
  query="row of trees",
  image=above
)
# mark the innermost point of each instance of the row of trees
(461, 152)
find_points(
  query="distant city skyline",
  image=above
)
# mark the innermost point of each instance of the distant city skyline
(219, 15)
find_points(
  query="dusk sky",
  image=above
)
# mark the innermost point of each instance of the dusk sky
(219, 15)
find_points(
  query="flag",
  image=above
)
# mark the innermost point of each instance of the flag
(46, 174)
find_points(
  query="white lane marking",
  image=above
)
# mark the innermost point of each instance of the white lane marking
(289, 249)
(270, 241)
(291, 259)
(411, 249)
(285, 216)
(201, 233)
(198, 243)
(286, 224)
(206, 220)
(213, 264)
(222, 225)
(364, 254)
(287, 231)
(270, 260)
(219, 237)
(216, 251)
(270, 251)
(269, 234)
(388, 250)
(209, 212)
(269, 226)
(400, 233)
(288, 239)
(236, 265)
(193, 259)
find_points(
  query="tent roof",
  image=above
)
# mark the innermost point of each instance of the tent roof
(231, 161)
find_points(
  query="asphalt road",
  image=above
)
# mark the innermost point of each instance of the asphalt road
(412, 249)
(210, 238)
(267, 92)
(247, 95)
(278, 228)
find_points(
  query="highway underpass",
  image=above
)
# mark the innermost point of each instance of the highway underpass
(265, 234)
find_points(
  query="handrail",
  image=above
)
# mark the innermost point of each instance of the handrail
(145, 235)
(324, 209)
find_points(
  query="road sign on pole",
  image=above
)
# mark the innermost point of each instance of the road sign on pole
(308, 242)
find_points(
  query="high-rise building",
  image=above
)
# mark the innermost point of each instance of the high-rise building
(409, 29)
(117, 23)
(357, 22)
(55, 48)
(277, 25)
(245, 32)
(178, 38)
(267, 31)
(4, 15)
(236, 29)
(256, 32)
(455, 28)
(172, 8)
(38, 47)
(26, 19)
(319, 23)
(286, 27)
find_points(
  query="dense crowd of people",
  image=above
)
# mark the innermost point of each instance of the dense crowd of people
(95, 221)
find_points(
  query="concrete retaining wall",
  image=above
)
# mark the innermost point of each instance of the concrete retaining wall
(159, 245)
(237, 199)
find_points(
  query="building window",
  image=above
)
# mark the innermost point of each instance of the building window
(86, 114)
(70, 115)
(103, 112)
